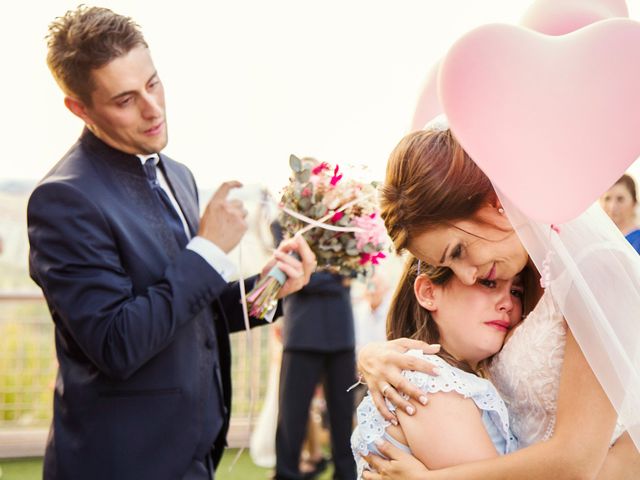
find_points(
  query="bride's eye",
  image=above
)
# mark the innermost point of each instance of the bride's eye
(457, 252)
(487, 283)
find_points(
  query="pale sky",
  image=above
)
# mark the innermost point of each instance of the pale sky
(250, 81)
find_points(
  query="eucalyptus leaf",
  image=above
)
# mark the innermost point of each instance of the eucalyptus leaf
(304, 203)
(344, 221)
(295, 163)
(319, 210)
(303, 175)
(369, 248)
(352, 252)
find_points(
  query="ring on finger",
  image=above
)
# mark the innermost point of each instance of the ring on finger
(384, 390)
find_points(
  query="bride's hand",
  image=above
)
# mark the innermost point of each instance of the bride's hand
(399, 466)
(381, 365)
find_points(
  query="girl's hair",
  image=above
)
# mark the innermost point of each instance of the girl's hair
(628, 182)
(430, 180)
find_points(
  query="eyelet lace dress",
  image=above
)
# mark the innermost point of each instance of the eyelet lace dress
(372, 425)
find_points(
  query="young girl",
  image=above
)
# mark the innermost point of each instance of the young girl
(466, 420)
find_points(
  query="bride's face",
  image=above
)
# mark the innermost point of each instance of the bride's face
(484, 247)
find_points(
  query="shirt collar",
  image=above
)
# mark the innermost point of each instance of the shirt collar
(144, 158)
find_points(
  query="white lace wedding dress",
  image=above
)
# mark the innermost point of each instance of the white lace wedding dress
(527, 373)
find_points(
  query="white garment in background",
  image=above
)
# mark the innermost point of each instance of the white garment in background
(371, 325)
(262, 445)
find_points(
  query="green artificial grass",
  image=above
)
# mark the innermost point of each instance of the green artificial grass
(23, 469)
(243, 469)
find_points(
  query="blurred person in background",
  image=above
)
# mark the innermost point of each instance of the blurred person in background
(318, 345)
(370, 308)
(620, 203)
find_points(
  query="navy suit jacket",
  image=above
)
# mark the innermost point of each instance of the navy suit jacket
(141, 325)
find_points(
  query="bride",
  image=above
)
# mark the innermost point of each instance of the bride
(563, 397)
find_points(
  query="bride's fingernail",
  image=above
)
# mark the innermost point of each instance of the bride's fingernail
(394, 421)
(436, 346)
(423, 399)
(435, 371)
(410, 410)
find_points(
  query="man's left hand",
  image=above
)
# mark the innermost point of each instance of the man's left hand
(298, 271)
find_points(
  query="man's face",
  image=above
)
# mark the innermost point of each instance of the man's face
(128, 111)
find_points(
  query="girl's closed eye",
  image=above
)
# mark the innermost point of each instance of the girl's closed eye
(487, 283)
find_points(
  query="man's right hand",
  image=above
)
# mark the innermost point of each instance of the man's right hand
(224, 221)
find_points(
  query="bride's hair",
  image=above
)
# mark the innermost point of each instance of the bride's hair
(430, 180)
(407, 318)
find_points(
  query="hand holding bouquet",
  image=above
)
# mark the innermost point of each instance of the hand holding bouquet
(338, 218)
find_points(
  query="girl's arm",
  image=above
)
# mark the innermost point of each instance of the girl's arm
(577, 450)
(458, 434)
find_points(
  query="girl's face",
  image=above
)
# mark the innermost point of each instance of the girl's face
(485, 247)
(473, 320)
(619, 205)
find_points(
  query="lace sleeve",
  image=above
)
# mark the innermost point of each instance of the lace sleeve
(371, 425)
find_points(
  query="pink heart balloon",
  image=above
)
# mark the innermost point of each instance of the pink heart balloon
(553, 121)
(428, 105)
(558, 17)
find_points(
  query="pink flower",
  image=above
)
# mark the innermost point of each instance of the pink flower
(374, 259)
(373, 230)
(318, 169)
(336, 178)
(337, 216)
(306, 192)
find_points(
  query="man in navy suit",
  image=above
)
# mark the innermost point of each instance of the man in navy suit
(136, 283)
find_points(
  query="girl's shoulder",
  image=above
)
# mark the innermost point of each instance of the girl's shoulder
(449, 378)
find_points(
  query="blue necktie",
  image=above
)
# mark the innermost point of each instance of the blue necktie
(168, 211)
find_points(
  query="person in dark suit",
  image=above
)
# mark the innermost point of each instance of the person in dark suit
(136, 283)
(318, 341)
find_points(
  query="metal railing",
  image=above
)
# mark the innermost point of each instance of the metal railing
(28, 366)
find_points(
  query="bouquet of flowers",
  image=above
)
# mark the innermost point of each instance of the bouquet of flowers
(339, 218)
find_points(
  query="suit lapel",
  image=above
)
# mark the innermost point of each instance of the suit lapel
(183, 194)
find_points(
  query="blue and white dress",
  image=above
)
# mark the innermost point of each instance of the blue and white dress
(372, 426)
